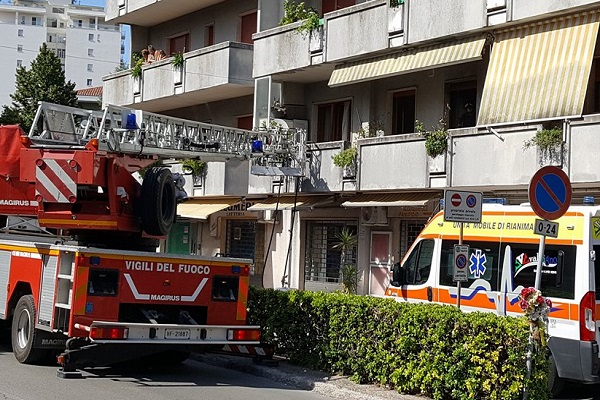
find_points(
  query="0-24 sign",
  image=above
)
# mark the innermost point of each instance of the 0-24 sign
(546, 228)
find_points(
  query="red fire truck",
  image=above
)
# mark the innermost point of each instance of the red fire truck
(79, 270)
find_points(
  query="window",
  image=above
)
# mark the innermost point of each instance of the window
(209, 35)
(50, 38)
(418, 264)
(483, 263)
(90, 67)
(322, 256)
(22, 20)
(60, 53)
(20, 48)
(91, 37)
(103, 282)
(89, 82)
(34, 21)
(333, 121)
(92, 22)
(77, 23)
(19, 63)
(332, 5)
(20, 33)
(179, 44)
(90, 52)
(225, 288)
(459, 96)
(57, 10)
(248, 27)
(403, 112)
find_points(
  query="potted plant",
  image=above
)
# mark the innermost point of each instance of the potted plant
(346, 159)
(346, 242)
(436, 140)
(298, 12)
(396, 3)
(197, 168)
(136, 65)
(549, 141)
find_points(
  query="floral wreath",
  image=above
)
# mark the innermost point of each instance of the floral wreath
(536, 309)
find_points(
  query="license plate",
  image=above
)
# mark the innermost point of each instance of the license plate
(177, 334)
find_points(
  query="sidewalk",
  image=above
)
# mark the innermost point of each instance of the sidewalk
(280, 370)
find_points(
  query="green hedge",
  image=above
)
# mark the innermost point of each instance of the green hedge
(426, 349)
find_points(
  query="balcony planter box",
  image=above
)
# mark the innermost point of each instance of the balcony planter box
(396, 19)
(437, 165)
(552, 156)
(316, 39)
(137, 85)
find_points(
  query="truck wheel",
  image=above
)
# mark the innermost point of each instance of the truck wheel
(23, 332)
(159, 205)
(555, 383)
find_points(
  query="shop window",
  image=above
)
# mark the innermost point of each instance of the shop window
(248, 27)
(332, 5)
(179, 44)
(403, 112)
(333, 121)
(241, 236)
(461, 100)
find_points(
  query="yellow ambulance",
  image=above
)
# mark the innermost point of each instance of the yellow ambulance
(502, 259)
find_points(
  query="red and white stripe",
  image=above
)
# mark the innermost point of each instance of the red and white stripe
(55, 181)
(249, 350)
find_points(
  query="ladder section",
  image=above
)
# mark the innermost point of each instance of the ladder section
(124, 130)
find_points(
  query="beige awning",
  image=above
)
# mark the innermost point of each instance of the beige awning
(539, 70)
(287, 202)
(203, 208)
(389, 200)
(468, 49)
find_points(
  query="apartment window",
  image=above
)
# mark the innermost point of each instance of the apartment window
(403, 112)
(461, 99)
(60, 53)
(179, 44)
(19, 63)
(22, 20)
(90, 67)
(248, 27)
(50, 38)
(89, 82)
(333, 121)
(98, 38)
(332, 5)
(20, 48)
(62, 25)
(209, 35)
(92, 23)
(20, 33)
(90, 52)
(57, 10)
(78, 23)
(34, 21)
(91, 37)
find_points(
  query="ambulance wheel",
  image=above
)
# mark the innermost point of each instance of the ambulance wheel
(159, 204)
(555, 383)
(23, 332)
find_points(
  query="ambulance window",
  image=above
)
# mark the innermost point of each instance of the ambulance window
(482, 263)
(418, 263)
(103, 282)
(558, 269)
(597, 271)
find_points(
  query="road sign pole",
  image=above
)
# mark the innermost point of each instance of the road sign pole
(540, 261)
(459, 283)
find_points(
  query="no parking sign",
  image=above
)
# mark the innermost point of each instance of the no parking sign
(461, 255)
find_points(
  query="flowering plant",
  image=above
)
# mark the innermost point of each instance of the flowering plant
(536, 309)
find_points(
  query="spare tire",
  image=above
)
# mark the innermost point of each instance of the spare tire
(158, 203)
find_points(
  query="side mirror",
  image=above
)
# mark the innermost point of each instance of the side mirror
(398, 275)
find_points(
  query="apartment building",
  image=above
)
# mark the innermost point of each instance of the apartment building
(487, 73)
(88, 47)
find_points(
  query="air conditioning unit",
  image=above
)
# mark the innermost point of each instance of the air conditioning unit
(374, 215)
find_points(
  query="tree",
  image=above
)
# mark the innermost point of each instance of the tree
(43, 81)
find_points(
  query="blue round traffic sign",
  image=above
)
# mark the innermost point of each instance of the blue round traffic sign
(550, 192)
(461, 261)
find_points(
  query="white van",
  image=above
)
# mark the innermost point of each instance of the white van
(570, 277)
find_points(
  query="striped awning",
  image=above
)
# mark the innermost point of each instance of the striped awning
(389, 200)
(203, 208)
(287, 202)
(468, 49)
(539, 70)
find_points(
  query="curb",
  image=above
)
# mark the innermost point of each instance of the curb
(280, 370)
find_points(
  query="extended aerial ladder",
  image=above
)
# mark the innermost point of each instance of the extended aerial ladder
(73, 171)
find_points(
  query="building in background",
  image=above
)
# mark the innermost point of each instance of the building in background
(481, 73)
(86, 44)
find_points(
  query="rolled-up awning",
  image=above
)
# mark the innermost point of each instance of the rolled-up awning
(288, 202)
(460, 51)
(540, 70)
(203, 208)
(389, 200)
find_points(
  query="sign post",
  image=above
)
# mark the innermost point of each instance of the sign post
(550, 196)
(460, 206)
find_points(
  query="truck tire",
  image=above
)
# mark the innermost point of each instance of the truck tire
(23, 332)
(159, 205)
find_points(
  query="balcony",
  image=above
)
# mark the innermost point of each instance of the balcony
(152, 12)
(218, 72)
